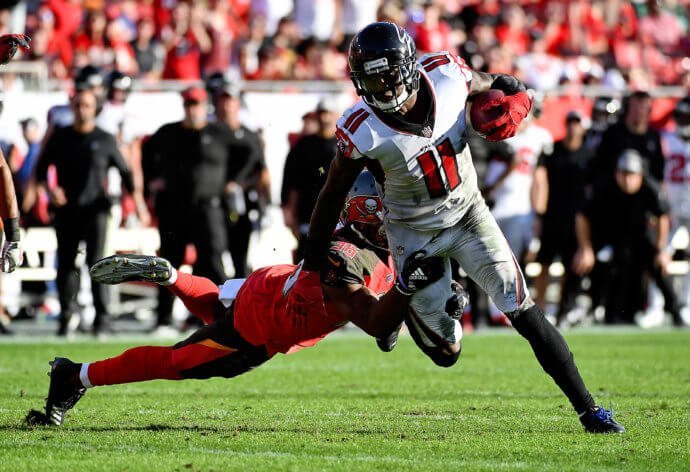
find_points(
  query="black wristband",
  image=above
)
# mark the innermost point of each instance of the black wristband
(11, 226)
(508, 84)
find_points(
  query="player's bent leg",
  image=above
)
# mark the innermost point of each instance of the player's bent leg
(132, 267)
(556, 359)
(441, 351)
(215, 350)
(433, 322)
(486, 257)
(198, 294)
(434, 331)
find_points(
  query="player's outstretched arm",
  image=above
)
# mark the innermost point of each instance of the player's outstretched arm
(341, 176)
(379, 316)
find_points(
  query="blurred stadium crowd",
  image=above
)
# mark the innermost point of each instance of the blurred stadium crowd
(601, 184)
(544, 42)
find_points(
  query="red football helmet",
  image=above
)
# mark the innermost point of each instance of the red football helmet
(363, 211)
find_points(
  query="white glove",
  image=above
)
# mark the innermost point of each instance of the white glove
(11, 256)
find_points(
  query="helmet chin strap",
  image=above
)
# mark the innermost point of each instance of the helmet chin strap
(393, 105)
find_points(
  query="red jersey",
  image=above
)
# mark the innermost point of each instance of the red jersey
(283, 308)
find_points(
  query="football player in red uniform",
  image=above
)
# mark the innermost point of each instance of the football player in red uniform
(277, 309)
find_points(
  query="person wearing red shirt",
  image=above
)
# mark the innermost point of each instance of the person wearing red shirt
(187, 41)
(277, 309)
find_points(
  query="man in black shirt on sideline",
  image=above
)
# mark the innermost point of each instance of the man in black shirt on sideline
(631, 132)
(245, 202)
(620, 215)
(81, 154)
(557, 192)
(306, 168)
(187, 170)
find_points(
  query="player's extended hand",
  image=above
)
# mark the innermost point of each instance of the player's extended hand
(11, 256)
(9, 44)
(496, 116)
(419, 272)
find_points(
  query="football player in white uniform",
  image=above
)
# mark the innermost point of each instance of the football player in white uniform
(676, 148)
(410, 128)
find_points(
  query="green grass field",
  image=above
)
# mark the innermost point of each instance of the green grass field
(343, 405)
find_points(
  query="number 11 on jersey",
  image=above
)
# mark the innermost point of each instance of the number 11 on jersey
(434, 173)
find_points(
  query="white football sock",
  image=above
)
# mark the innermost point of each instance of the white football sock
(84, 375)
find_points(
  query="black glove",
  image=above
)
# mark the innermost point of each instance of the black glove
(419, 272)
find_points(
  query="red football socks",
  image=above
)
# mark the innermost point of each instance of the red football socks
(134, 365)
(199, 295)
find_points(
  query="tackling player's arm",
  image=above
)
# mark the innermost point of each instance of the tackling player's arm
(342, 283)
(376, 316)
(341, 176)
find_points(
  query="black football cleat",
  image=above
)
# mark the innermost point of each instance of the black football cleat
(599, 420)
(456, 304)
(388, 343)
(131, 268)
(63, 393)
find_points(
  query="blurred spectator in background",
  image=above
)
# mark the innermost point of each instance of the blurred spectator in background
(219, 28)
(306, 167)
(185, 41)
(270, 12)
(660, 28)
(605, 113)
(509, 180)
(90, 46)
(557, 193)
(353, 15)
(187, 169)
(631, 132)
(433, 34)
(147, 50)
(116, 120)
(87, 78)
(81, 154)
(537, 68)
(23, 174)
(245, 201)
(676, 148)
(628, 218)
(317, 20)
